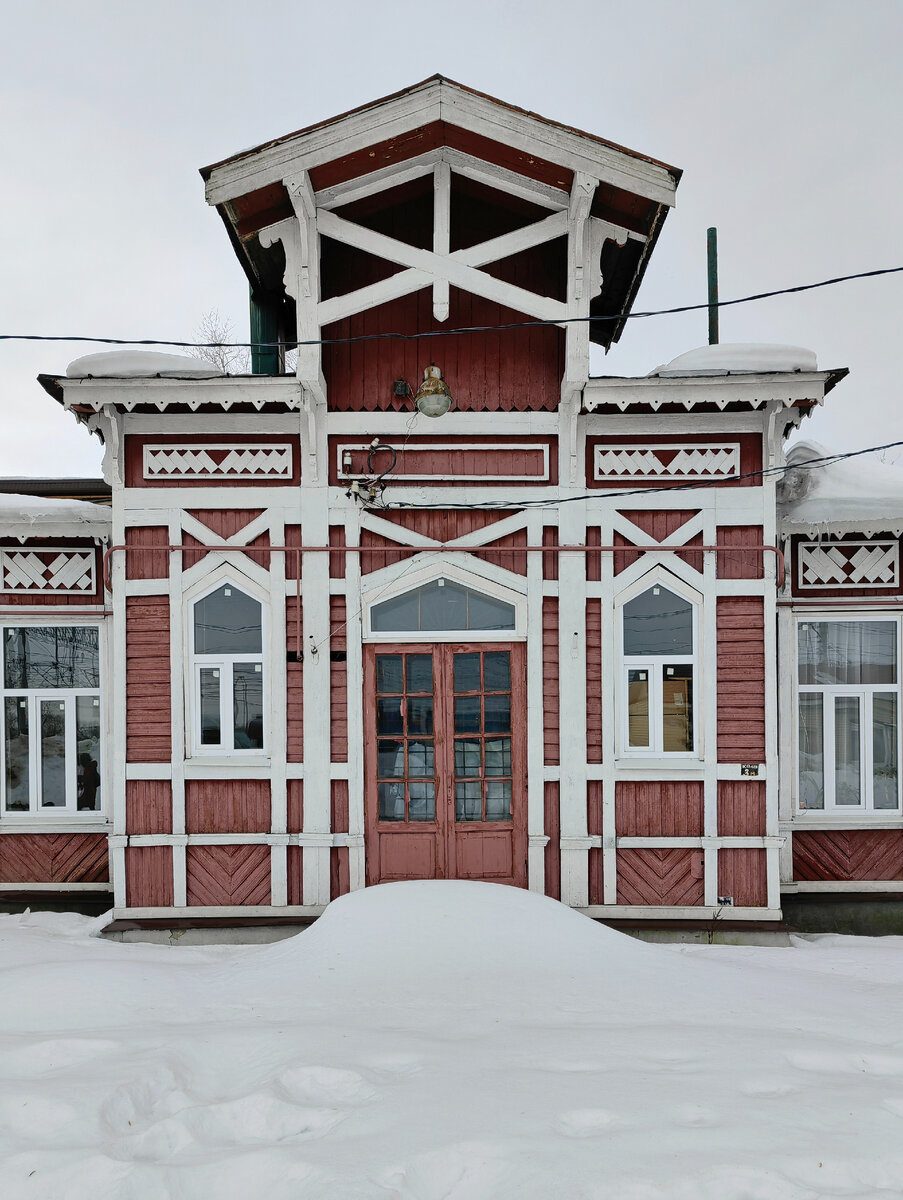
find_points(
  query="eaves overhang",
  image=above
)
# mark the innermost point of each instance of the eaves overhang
(718, 392)
(234, 392)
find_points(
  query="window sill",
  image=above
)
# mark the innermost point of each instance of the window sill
(662, 763)
(866, 820)
(200, 763)
(35, 823)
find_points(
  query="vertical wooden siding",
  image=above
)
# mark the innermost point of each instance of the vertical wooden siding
(741, 679)
(550, 700)
(148, 877)
(148, 806)
(295, 865)
(227, 806)
(227, 875)
(741, 875)
(660, 877)
(552, 826)
(147, 557)
(594, 829)
(147, 679)
(741, 808)
(339, 862)
(740, 564)
(338, 678)
(54, 858)
(848, 856)
(594, 681)
(295, 814)
(659, 809)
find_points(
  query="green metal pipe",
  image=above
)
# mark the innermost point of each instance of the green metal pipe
(712, 257)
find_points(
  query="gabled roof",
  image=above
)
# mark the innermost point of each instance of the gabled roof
(441, 117)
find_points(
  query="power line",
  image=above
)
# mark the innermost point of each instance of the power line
(809, 464)
(440, 333)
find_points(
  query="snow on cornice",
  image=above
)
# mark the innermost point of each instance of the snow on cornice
(738, 358)
(856, 495)
(26, 517)
(140, 364)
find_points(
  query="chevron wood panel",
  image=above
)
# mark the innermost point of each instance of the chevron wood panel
(658, 809)
(227, 806)
(655, 877)
(848, 855)
(148, 806)
(741, 808)
(148, 877)
(54, 858)
(551, 720)
(147, 679)
(295, 864)
(225, 875)
(741, 874)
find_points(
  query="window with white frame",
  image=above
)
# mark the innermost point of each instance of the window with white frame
(658, 687)
(51, 720)
(227, 648)
(848, 680)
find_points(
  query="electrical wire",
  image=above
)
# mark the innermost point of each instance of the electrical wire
(440, 333)
(809, 464)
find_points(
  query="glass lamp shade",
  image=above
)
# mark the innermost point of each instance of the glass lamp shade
(433, 398)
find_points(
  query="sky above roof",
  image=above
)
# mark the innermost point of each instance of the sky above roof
(784, 119)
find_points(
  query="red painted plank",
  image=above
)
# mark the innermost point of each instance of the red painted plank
(741, 678)
(848, 856)
(741, 808)
(147, 687)
(659, 809)
(228, 875)
(148, 877)
(594, 681)
(54, 858)
(148, 806)
(338, 677)
(552, 825)
(148, 557)
(550, 699)
(740, 564)
(660, 877)
(741, 874)
(227, 806)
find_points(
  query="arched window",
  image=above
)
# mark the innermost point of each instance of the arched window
(441, 606)
(227, 642)
(659, 668)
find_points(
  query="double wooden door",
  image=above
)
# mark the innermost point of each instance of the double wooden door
(445, 762)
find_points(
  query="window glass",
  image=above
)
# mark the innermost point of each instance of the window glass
(677, 709)
(247, 705)
(812, 751)
(884, 749)
(441, 605)
(227, 622)
(15, 734)
(847, 751)
(87, 748)
(51, 657)
(658, 623)
(53, 753)
(638, 707)
(847, 652)
(210, 710)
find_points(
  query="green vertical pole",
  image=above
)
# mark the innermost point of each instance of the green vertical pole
(265, 360)
(712, 256)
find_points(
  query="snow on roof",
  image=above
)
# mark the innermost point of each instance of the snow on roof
(739, 358)
(50, 516)
(140, 364)
(855, 495)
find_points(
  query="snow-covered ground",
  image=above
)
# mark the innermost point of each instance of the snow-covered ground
(447, 1041)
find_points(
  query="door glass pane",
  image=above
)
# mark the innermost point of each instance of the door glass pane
(467, 672)
(420, 672)
(87, 747)
(846, 750)
(390, 759)
(847, 652)
(811, 751)
(498, 800)
(498, 756)
(884, 749)
(422, 802)
(637, 708)
(420, 714)
(467, 714)
(389, 718)
(469, 801)
(16, 738)
(391, 801)
(53, 753)
(388, 673)
(658, 622)
(497, 671)
(497, 714)
(467, 757)
(420, 758)
(227, 622)
(210, 716)
(677, 709)
(247, 705)
(52, 657)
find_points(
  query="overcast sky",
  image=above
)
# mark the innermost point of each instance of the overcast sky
(785, 118)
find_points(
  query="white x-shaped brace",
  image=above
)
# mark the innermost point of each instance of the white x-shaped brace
(439, 268)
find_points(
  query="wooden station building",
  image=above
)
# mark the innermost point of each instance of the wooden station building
(553, 637)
